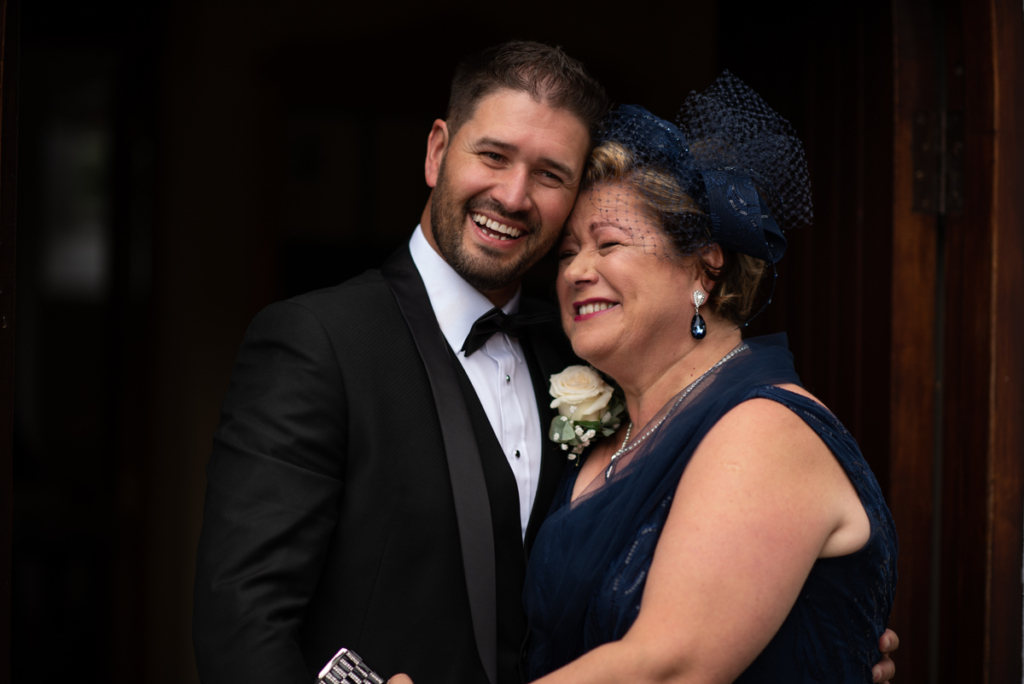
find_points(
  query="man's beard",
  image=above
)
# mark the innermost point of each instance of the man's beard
(447, 223)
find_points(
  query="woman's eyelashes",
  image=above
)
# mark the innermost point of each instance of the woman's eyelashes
(569, 252)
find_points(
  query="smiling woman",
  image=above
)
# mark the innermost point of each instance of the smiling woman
(730, 530)
(619, 280)
(660, 198)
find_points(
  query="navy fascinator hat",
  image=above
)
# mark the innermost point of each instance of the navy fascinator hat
(737, 166)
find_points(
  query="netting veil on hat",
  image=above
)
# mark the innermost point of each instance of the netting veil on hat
(731, 172)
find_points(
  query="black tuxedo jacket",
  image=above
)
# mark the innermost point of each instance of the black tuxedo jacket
(358, 497)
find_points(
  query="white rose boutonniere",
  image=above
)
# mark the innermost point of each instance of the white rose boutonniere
(587, 406)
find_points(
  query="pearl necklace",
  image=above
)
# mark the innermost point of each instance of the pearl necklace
(627, 447)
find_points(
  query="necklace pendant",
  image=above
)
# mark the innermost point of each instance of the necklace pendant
(615, 456)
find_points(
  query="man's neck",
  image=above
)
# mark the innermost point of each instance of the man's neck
(498, 298)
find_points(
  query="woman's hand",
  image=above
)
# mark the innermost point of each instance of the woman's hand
(886, 668)
(404, 679)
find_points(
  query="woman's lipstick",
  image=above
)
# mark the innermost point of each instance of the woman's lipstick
(588, 308)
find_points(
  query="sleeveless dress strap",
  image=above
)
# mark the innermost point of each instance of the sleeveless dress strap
(835, 436)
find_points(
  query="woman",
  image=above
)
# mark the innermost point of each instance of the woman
(729, 529)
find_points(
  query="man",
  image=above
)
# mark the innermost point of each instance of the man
(343, 508)
(379, 472)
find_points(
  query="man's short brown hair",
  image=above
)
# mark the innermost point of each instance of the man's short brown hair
(546, 73)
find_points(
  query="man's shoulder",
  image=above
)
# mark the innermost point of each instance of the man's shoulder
(352, 292)
(347, 311)
(365, 297)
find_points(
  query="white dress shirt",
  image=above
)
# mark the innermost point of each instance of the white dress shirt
(497, 370)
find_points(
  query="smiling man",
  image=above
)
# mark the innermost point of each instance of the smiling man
(501, 187)
(380, 472)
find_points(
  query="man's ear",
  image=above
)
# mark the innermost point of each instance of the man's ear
(437, 144)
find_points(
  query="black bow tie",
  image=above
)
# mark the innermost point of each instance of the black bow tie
(496, 320)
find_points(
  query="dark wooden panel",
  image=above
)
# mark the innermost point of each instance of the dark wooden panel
(9, 14)
(913, 348)
(968, 299)
(983, 470)
(985, 475)
(1003, 629)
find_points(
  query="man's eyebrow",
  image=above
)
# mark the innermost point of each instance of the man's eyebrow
(560, 167)
(509, 147)
(500, 144)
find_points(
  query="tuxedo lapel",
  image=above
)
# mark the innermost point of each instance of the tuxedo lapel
(509, 556)
(469, 488)
(547, 352)
(502, 488)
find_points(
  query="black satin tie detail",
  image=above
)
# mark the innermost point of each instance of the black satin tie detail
(496, 320)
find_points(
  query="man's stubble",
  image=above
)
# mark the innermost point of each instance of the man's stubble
(447, 221)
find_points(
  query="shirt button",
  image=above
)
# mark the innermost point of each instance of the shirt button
(517, 453)
(508, 379)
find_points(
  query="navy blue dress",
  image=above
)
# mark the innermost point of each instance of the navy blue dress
(589, 564)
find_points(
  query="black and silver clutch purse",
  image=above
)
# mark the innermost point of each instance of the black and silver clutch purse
(348, 668)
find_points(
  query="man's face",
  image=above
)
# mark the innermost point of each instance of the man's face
(503, 186)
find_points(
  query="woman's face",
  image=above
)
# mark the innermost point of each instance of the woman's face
(624, 296)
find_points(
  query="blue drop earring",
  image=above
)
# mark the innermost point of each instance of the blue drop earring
(697, 326)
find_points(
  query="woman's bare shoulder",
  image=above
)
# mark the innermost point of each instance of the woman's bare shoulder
(761, 422)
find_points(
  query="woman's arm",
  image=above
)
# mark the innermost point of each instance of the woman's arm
(760, 501)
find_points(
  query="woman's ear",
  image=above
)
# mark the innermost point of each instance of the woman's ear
(712, 258)
(437, 144)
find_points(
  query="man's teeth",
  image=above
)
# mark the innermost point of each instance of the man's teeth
(591, 308)
(490, 224)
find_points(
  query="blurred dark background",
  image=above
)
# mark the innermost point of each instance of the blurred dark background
(183, 163)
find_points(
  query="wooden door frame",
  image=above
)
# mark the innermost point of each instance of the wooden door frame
(957, 386)
(913, 350)
(980, 600)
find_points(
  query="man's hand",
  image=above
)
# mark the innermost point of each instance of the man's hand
(884, 670)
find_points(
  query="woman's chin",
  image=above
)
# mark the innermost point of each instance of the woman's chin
(595, 352)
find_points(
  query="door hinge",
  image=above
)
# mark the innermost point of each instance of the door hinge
(938, 154)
